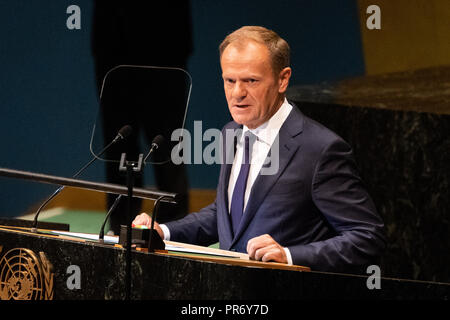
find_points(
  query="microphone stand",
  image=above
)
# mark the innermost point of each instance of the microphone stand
(157, 141)
(130, 167)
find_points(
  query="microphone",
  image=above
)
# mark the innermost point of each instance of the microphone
(123, 133)
(157, 142)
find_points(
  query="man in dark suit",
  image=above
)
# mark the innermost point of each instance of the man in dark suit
(313, 210)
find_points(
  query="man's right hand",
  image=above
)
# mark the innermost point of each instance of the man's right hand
(145, 220)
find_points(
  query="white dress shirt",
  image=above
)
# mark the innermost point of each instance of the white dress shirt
(266, 134)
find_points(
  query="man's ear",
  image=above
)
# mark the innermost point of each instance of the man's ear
(283, 79)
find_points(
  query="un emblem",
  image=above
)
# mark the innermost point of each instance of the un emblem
(25, 276)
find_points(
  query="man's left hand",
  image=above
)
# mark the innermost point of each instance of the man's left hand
(265, 248)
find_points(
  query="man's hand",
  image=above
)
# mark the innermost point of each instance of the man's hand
(145, 220)
(265, 248)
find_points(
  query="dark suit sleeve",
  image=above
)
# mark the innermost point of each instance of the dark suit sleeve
(198, 228)
(340, 196)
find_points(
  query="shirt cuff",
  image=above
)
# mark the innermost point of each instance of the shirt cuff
(165, 231)
(288, 256)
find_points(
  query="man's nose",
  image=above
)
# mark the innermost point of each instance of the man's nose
(239, 90)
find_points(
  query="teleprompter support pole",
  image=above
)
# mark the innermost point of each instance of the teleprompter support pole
(131, 168)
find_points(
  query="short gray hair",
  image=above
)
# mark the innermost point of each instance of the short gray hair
(278, 47)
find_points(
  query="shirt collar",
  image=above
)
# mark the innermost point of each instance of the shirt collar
(267, 132)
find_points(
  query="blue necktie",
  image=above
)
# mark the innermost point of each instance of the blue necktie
(237, 200)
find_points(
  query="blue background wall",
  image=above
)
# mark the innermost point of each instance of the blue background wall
(48, 100)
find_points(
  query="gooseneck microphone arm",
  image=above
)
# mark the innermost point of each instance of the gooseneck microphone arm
(101, 235)
(154, 215)
(123, 133)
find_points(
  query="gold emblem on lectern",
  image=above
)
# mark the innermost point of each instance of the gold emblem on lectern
(25, 276)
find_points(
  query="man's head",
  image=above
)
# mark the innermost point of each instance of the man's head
(256, 73)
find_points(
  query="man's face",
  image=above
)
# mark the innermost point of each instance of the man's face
(253, 92)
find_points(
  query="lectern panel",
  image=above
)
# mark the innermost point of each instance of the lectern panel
(43, 266)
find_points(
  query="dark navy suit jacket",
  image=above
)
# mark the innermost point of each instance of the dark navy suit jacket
(315, 205)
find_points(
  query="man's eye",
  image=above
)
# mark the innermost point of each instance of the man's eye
(229, 81)
(251, 80)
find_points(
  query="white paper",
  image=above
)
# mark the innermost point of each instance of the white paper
(115, 239)
(88, 236)
(170, 247)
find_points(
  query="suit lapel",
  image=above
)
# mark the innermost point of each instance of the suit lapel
(288, 146)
